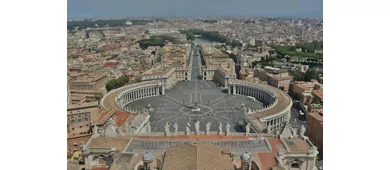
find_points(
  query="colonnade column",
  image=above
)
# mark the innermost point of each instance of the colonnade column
(230, 87)
(146, 92)
(163, 90)
(234, 89)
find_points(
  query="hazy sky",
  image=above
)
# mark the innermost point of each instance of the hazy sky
(140, 8)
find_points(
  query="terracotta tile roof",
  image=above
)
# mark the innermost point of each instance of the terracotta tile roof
(103, 117)
(118, 143)
(193, 156)
(121, 117)
(78, 140)
(268, 159)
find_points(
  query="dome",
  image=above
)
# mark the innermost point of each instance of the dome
(245, 156)
(147, 157)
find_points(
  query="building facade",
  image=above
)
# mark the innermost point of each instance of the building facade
(315, 124)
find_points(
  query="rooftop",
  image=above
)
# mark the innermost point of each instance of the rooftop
(197, 156)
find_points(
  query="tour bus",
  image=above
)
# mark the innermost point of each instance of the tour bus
(251, 98)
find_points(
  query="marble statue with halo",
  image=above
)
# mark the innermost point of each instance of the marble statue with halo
(188, 128)
(197, 127)
(227, 129)
(208, 125)
(302, 131)
(167, 129)
(247, 129)
(176, 127)
(220, 129)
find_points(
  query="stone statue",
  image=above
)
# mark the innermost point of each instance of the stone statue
(113, 121)
(188, 128)
(146, 112)
(302, 131)
(167, 128)
(120, 131)
(197, 126)
(269, 131)
(101, 131)
(220, 127)
(110, 121)
(149, 127)
(95, 131)
(247, 129)
(293, 131)
(176, 126)
(208, 125)
(127, 127)
(82, 145)
(227, 128)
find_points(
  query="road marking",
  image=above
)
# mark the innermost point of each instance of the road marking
(191, 98)
(168, 101)
(178, 117)
(166, 118)
(208, 84)
(223, 101)
(217, 98)
(173, 99)
(200, 98)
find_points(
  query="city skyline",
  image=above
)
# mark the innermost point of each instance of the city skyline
(185, 8)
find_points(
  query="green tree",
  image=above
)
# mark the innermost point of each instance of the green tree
(111, 85)
(298, 76)
(310, 74)
(190, 36)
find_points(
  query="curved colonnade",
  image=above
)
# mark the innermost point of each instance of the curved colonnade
(275, 113)
(277, 104)
(120, 97)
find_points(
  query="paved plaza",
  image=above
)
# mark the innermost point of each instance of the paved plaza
(215, 105)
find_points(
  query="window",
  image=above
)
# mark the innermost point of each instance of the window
(295, 165)
(81, 126)
(72, 128)
(247, 167)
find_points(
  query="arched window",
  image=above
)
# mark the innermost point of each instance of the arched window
(246, 167)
